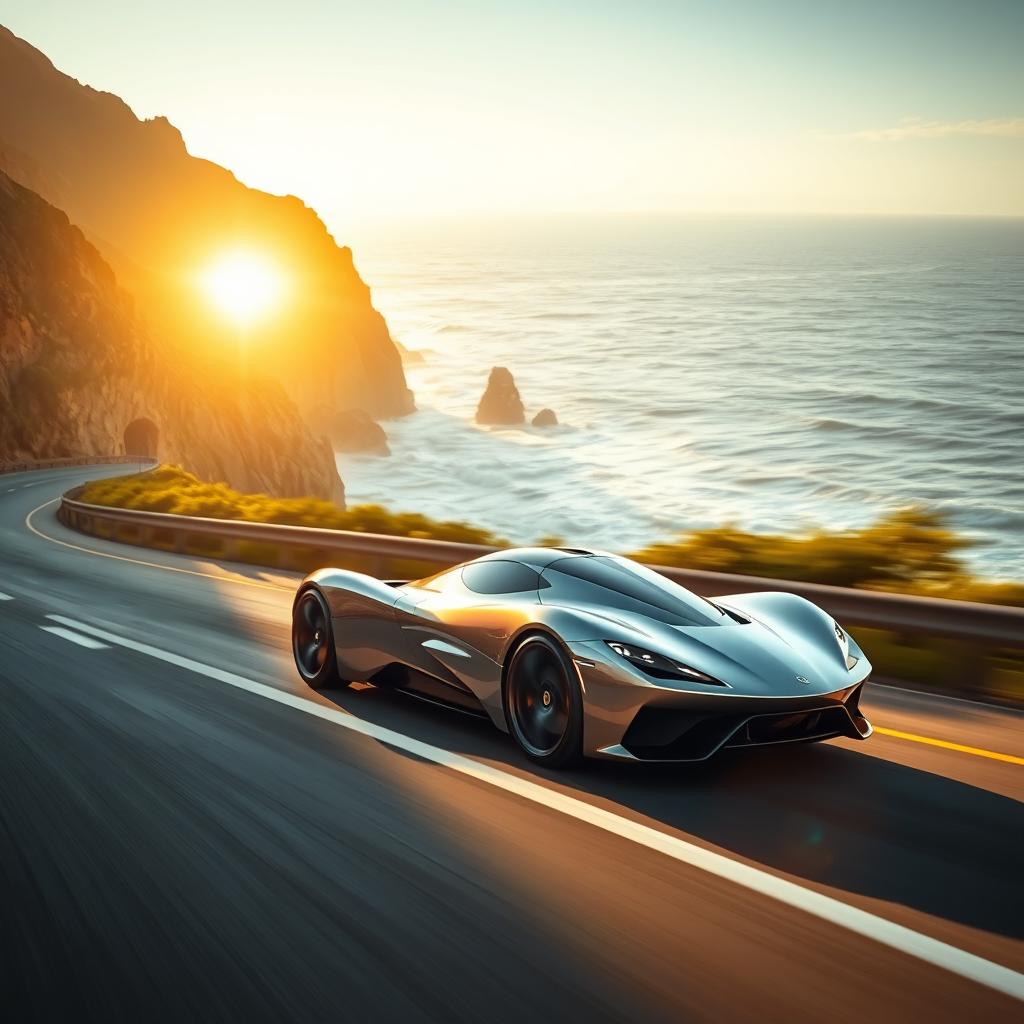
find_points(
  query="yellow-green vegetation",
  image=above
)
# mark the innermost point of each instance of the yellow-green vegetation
(172, 489)
(912, 551)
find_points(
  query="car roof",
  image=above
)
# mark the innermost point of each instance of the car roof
(537, 557)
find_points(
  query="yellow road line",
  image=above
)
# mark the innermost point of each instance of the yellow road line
(139, 561)
(894, 733)
(946, 745)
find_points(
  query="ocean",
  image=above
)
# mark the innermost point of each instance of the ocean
(774, 373)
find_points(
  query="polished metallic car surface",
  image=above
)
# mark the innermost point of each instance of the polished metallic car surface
(584, 653)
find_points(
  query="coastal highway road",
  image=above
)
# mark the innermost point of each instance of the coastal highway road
(187, 832)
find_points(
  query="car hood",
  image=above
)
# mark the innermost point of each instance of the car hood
(760, 657)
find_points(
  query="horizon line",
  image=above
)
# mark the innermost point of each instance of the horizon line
(514, 214)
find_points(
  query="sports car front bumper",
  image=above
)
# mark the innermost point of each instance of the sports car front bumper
(628, 717)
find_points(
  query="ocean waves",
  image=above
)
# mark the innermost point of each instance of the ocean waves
(777, 375)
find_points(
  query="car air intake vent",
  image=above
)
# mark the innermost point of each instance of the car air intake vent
(743, 620)
(575, 551)
(672, 734)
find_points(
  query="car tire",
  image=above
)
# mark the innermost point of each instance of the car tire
(543, 702)
(313, 640)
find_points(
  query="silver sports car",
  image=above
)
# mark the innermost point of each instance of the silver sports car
(580, 653)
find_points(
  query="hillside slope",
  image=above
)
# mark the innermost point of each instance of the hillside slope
(80, 376)
(159, 215)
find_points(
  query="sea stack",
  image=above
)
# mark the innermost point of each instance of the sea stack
(355, 430)
(545, 418)
(500, 404)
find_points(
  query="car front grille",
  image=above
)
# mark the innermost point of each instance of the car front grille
(670, 734)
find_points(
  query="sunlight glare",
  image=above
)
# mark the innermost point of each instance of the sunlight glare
(243, 286)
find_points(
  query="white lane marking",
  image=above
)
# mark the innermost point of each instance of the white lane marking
(6, 597)
(75, 638)
(887, 933)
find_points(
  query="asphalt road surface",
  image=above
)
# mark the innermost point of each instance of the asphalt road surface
(187, 832)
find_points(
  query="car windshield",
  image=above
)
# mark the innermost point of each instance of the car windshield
(628, 586)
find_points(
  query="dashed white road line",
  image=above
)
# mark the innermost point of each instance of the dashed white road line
(75, 638)
(861, 922)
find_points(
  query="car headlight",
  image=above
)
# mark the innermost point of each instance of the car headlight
(660, 666)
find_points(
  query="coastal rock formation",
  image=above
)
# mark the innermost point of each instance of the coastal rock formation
(159, 216)
(545, 418)
(500, 404)
(410, 356)
(354, 430)
(79, 374)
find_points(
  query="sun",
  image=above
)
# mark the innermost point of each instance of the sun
(243, 285)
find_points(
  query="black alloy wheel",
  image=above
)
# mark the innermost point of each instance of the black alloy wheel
(313, 640)
(543, 703)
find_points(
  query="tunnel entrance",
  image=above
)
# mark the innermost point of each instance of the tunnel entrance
(140, 438)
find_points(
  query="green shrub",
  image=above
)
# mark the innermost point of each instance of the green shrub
(910, 551)
(172, 489)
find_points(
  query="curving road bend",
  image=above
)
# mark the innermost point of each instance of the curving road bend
(186, 832)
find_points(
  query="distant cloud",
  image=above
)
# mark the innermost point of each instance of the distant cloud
(1001, 128)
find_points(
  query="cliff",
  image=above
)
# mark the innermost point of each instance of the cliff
(159, 214)
(79, 375)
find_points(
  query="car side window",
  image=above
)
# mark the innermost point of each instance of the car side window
(497, 577)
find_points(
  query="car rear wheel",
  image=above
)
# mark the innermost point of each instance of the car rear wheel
(313, 640)
(543, 703)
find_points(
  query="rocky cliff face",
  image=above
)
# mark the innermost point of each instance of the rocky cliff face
(79, 374)
(158, 215)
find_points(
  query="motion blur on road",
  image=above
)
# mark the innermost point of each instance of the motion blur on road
(175, 845)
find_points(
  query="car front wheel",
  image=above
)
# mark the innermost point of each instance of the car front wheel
(543, 703)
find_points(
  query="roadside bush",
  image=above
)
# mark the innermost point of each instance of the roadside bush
(910, 551)
(172, 489)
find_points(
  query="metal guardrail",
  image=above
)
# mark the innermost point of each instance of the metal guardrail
(77, 460)
(992, 625)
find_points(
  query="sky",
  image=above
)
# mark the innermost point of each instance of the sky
(399, 110)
